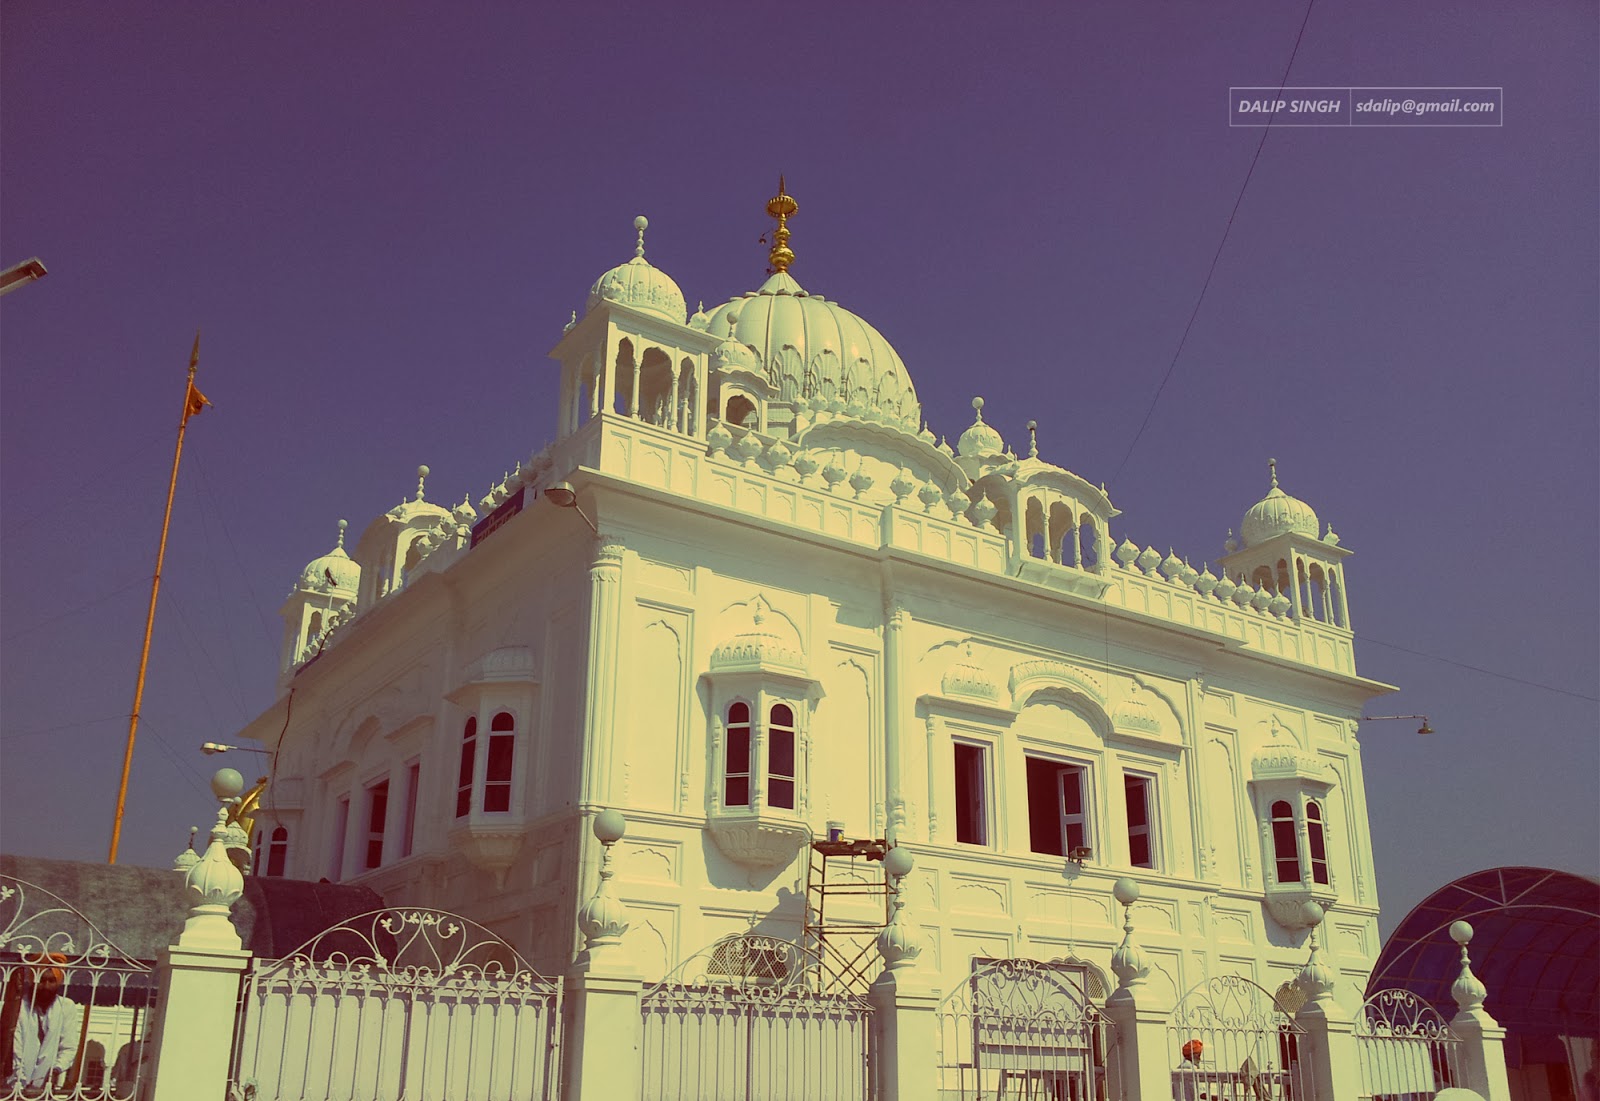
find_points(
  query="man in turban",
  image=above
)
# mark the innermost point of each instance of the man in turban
(44, 1039)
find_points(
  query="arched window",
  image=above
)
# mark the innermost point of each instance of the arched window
(1318, 843)
(1285, 850)
(469, 750)
(1088, 543)
(502, 750)
(736, 770)
(278, 851)
(780, 757)
(742, 412)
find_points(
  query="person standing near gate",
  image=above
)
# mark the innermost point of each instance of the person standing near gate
(44, 1037)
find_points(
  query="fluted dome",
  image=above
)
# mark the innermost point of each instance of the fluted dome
(1277, 514)
(812, 348)
(334, 570)
(981, 439)
(640, 285)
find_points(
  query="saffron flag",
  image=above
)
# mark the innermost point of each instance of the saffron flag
(196, 401)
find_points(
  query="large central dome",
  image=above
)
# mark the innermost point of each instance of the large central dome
(818, 353)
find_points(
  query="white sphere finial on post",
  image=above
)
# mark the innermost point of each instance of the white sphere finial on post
(1316, 978)
(1128, 962)
(900, 942)
(1468, 990)
(641, 223)
(604, 919)
(214, 877)
(422, 476)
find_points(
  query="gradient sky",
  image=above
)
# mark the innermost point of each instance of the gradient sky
(381, 215)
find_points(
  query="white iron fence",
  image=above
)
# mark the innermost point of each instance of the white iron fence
(747, 1020)
(1229, 1038)
(1022, 1029)
(1407, 1050)
(76, 1010)
(402, 1004)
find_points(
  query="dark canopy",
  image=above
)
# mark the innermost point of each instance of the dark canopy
(1535, 946)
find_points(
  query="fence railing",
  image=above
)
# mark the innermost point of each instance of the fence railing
(1021, 1028)
(75, 1013)
(1229, 1038)
(402, 1003)
(746, 1020)
(1405, 1047)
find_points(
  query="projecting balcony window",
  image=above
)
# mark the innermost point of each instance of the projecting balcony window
(780, 757)
(736, 777)
(972, 794)
(1058, 808)
(1317, 843)
(502, 752)
(1285, 848)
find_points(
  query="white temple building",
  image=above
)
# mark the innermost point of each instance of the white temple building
(747, 596)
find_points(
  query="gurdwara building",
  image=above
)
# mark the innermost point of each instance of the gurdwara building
(748, 598)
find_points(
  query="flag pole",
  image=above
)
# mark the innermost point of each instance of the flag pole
(193, 402)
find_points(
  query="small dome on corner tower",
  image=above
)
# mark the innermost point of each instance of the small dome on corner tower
(639, 284)
(1277, 514)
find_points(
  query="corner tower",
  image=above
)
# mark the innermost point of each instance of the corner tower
(1279, 551)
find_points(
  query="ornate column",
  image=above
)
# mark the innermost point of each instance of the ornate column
(895, 620)
(1483, 1056)
(1140, 1018)
(198, 977)
(600, 681)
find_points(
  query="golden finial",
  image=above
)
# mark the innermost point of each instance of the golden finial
(781, 206)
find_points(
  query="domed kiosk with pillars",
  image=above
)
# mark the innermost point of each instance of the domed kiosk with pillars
(767, 608)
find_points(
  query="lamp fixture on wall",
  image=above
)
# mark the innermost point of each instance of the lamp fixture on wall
(1423, 729)
(562, 495)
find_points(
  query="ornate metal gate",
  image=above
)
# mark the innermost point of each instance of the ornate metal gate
(746, 1020)
(1406, 1048)
(402, 1003)
(1230, 1038)
(1022, 1029)
(90, 1042)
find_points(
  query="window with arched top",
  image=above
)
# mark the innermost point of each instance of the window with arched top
(497, 771)
(742, 412)
(736, 770)
(469, 760)
(1285, 847)
(278, 851)
(1317, 843)
(780, 757)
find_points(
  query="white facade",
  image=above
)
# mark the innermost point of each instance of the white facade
(803, 607)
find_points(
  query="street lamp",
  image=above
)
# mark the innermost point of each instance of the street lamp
(20, 275)
(212, 748)
(562, 495)
(1423, 729)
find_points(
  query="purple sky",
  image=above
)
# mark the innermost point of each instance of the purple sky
(381, 216)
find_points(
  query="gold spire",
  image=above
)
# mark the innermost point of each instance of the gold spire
(780, 206)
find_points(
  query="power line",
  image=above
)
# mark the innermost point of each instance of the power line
(1478, 669)
(1216, 258)
(31, 628)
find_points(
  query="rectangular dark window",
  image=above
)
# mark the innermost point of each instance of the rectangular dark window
(497, 776)
(377, 816)
(469, 761)
(972, 795)
(1058, 819)
(278, 851)
(1318, 844)
(408, 839)
(1141, 847)
(780, 768)
(736, 790)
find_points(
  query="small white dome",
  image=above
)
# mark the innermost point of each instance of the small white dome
(640, 285)
(1277, 514)
(981, 439)
(335, 570)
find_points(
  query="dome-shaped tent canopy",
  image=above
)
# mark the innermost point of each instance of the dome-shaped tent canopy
(1535, 946)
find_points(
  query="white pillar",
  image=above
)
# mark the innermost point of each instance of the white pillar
(1138, 1014)
(905, 1002)
(600, 682)
(604, 1024)
(895, 619)
(1483, 1055)
(198, 996)
(1329, 1051)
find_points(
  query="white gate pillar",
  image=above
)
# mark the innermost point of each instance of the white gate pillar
(198, 977)
(905, 1002)
(1138, 1015)
(1483, 1053)
(605, 1024)
(1328, 1045)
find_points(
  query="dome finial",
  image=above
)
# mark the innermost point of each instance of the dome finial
(977, 409)
(641, 223)
(342, 525)
(1033, 439)
(422, 476)
(781, 206)
(1272, 467)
